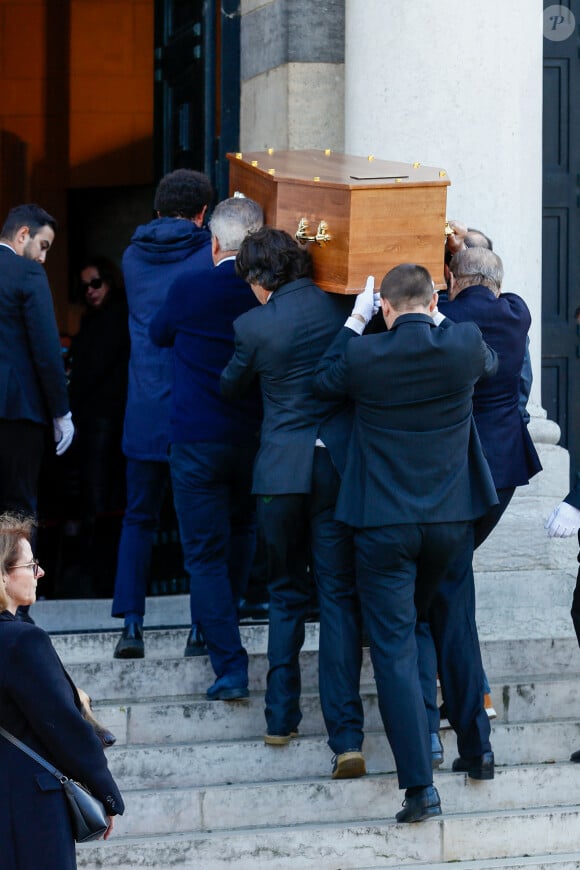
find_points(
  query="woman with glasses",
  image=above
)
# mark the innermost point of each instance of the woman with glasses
(98, 362)
(40, 706)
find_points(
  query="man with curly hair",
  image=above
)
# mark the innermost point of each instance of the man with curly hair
(175, 242)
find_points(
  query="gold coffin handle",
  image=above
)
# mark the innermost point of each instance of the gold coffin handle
(322, 235)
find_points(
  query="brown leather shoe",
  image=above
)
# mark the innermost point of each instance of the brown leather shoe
(349, 765)
(280, 739)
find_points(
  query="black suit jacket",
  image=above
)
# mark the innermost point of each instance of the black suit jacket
(282, 342)
(32, 380)
(414, 456)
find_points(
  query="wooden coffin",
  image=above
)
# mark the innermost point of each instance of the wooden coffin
(375, 213)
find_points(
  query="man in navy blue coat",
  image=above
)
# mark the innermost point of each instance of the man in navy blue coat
(296, 478)
(175, 242)
(504, 320)
(213, 442)
(414, 481)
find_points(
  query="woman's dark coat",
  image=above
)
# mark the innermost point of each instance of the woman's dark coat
(40, 705)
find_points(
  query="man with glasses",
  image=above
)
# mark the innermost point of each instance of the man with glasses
(32, 381)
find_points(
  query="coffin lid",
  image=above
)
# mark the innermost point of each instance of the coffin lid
(332, 169)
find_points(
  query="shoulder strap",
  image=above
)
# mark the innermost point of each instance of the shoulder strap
(26, 749)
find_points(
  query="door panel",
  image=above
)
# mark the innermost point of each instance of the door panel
(561, 236)
(197, 86)
(179, 85)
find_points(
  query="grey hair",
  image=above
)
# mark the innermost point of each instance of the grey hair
(233, 219)
(478, 266)
(477, 239)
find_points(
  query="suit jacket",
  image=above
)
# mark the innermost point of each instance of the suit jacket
(40, 706)
(196, 320)
(414, 456)
(573, 496)
(504, 322)
(281, 343)
(32, 379)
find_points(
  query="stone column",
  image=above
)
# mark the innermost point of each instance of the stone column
(460, 87)
(292, 74)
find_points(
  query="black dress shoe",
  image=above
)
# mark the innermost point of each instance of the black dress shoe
(195, 645)
(481, 767)
(575, 756)
(130, 644)
(436, 751)
(424, 805)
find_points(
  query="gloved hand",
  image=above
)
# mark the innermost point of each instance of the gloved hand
(364, 306)
(564, 521)
(63, 432)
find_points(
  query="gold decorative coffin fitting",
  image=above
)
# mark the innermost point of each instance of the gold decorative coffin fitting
(359, 216)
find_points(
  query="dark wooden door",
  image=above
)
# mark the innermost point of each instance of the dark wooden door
(197, 86)
(561, 233)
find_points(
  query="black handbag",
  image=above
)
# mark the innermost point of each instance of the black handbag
(89, 818)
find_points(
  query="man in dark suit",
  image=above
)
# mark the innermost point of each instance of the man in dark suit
(33, 391)
(32, 381)
(296, 479)
(504, 320)
(213, 442)
(414, 481)
(563, 522)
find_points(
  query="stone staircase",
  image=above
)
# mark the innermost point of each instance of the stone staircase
(204, 792)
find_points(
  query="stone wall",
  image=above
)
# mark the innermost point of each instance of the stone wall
(292, 74)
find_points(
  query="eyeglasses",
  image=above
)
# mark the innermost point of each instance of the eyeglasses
(94, 284)
(34, 565)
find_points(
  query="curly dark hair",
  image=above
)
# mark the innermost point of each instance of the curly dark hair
(182, 193)
(272, 258)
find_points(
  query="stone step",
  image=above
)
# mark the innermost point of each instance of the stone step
(502, 657)
(164, 643)
(115, 679)
(239, 761)
(570, 861)
(297, 802)
(550, 574)
(181, 719)
(365, 843)
(90, 614)
(541, 862)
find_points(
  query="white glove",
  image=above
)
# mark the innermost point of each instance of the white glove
(63, 432)
(564, 521)
(364, 306)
